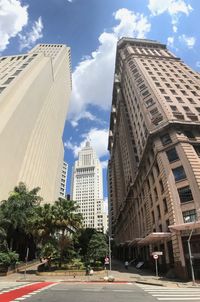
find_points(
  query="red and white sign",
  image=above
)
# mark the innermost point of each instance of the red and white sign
(155, 256)
(106, 260)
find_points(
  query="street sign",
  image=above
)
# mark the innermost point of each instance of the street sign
(155, 256)
(157, 253)
(106, 260)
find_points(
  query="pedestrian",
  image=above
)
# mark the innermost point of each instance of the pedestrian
(126, 265)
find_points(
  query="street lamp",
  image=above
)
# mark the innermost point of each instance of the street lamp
(110, 252)
(190, 258)
(189, 246)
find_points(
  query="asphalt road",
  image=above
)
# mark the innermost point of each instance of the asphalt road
(91, 293)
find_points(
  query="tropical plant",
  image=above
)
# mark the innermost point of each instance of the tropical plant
(18, 211)
(97, 248)
(66, 221)
(8, 258)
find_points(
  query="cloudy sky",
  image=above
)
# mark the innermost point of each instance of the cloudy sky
(91, 28)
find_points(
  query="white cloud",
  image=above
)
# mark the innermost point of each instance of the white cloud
(13, 17)
(170, 42)
(174, 7)
(93, 77)
(28, 39)
(188, 41)
(85, 115)
(104, 164)
(98, 139)
(106, 205)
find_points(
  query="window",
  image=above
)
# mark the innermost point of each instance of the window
(172, 155)
(189, 134)
(179, 173)
(145, 93)
(8, 81)
(173, 91)
(185, 194)
(1, 89)
(167, 98)
(189, 216)
(197, 149)
(173, 108)
(179, 99)
(166, 139)
(154, 111)
(165, 207)
(162, 91)
(17, 72)
(155, 194)
(187, 109)
(149, 102)
(161, 186)
(158, 211)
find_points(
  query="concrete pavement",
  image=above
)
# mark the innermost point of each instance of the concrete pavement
(120, 274)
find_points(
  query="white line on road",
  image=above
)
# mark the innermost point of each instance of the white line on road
(178, 299)
(175, 295)
(123, 290)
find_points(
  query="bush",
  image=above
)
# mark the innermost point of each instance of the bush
(8, 258)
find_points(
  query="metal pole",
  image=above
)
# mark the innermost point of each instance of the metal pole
(27, 252)
(156, 263)
(190, 258)
(109, 246)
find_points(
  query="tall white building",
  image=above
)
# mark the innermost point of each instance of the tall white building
(34, 96)
(87, 189)
(63, 180)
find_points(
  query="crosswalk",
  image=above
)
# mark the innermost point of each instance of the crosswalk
(8, 286)
(172, 294)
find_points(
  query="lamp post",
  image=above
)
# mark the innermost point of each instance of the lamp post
(189, 246)
(190, 257)
(110, 252)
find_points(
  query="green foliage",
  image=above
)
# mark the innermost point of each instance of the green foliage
(97, 248)
(49, 251)
(83, 240)
(8, 258)
(49, 227)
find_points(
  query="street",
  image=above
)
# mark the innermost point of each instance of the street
(94, 292)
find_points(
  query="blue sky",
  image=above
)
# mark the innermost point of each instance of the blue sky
(91, 28)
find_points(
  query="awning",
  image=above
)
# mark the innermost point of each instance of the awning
(154, 237)
(135, 241)
(185, 226)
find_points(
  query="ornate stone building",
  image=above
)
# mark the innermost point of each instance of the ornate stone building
(154, 167)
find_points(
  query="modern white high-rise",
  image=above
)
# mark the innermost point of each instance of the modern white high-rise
(87, 189)
(34, 96)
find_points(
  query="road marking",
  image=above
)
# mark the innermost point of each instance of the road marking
(178, 299)
(172, 294)
(123, 290)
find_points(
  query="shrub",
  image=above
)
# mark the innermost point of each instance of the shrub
(8, 258)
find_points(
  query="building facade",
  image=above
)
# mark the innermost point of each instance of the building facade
(34, 96)
(154, 167)
(63, 180)
(87, 189)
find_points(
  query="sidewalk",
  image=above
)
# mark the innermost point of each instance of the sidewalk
(120, 274)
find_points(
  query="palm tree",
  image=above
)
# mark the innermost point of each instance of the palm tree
(19, 210)
(66, 222)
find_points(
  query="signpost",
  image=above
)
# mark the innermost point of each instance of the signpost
(155, 257)
(106, 263)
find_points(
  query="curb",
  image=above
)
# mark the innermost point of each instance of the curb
(23, 280)
(149, 283)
